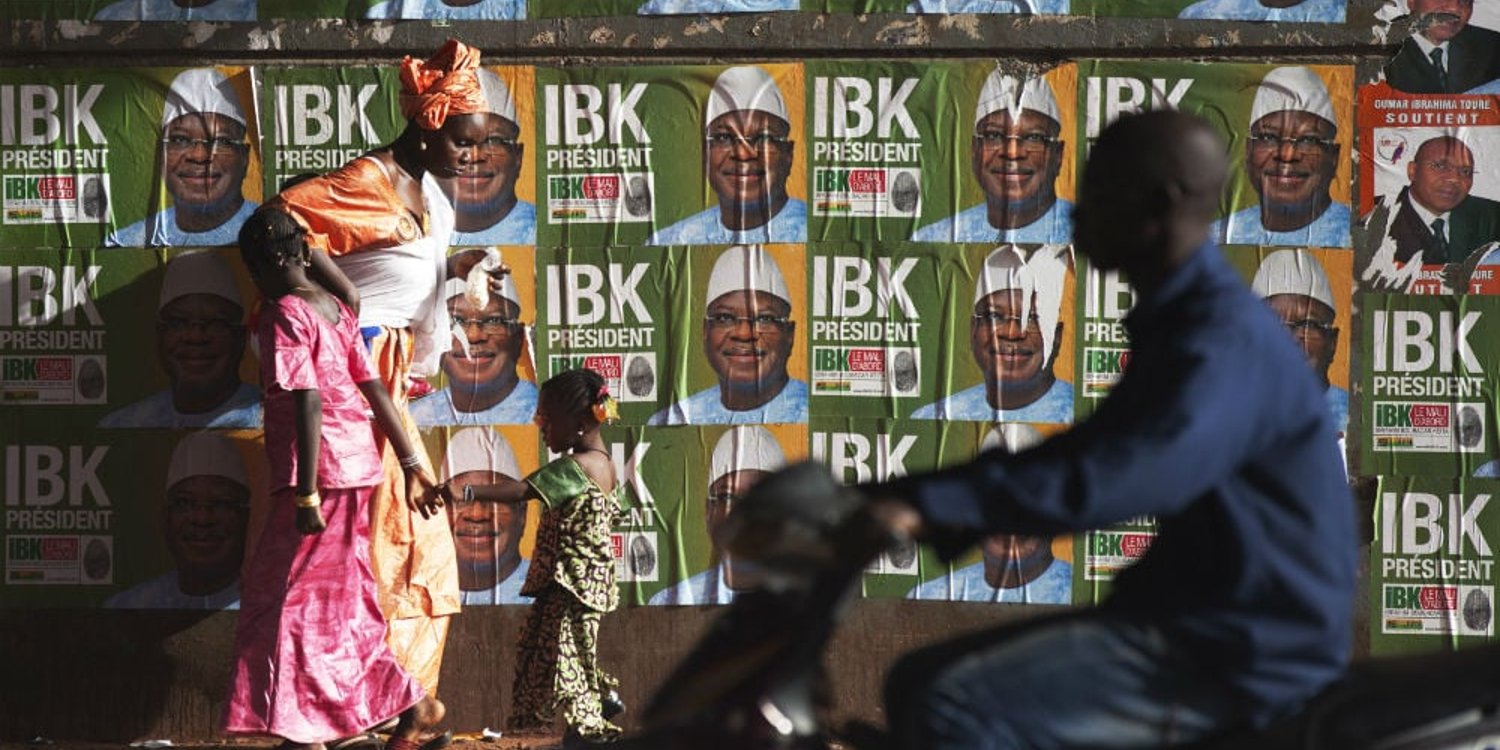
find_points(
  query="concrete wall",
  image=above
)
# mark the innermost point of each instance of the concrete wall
(101, 675)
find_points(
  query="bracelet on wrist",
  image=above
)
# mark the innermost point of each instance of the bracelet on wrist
(410, 462)
(309, 500)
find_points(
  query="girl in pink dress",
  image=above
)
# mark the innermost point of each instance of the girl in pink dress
(311, 662)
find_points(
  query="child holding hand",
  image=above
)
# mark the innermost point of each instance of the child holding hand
(572, 569)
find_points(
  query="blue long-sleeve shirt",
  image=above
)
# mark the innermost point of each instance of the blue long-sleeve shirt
(1219, 429)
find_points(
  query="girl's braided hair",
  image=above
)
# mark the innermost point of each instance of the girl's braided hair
(577, 391)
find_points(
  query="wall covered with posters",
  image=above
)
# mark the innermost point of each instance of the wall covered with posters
(860, 259)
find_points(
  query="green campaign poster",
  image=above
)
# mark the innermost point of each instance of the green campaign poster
(129, 158)
(878, 326)
(611, 310)
(1432, 569)
(941, 152)
(1006, 351)
(683, 155)
(488, 374)
(1101, 554)
(697, 476)
(737, 346)
(1311, 290)
(494, 542)
(1428, 382)
(1103, 343)
(1289, 129)
(316, 119)
(1297, 11)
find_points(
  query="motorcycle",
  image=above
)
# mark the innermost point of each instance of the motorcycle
(756, 680)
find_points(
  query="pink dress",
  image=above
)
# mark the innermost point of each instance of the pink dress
(311, 662)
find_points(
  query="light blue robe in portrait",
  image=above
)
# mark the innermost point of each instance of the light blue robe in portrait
(1331, 229)
(704, 228)
(1338, 407)
(973, 225)
(707, 587)
(163, 592)
(166, 10)
(437, 409)
(240, 410)
(1054, 407)
(1053, 586)
(673, 7)
(1308, 11)
(1048, 7)
(517, 228)
(704, 407)
(160, 230)
(486, 10)
(507, 591)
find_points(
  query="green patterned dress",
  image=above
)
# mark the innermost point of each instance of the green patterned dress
(573, 579)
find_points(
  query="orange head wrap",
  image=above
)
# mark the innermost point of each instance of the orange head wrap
(442, 85)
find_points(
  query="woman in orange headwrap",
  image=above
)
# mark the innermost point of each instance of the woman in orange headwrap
(385, 225)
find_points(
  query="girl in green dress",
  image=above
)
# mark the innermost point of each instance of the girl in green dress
(572, 569)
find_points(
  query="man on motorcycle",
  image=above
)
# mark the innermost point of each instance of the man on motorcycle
(1242, 608)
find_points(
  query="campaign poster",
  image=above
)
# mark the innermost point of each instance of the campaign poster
(494, 542)
(696, 477)
(684, 155)
(1000, 568)
(941, 152)
(1311, 290)
(1297, 11)
(1102, 554)
(396, 10)
(1289, 129)
(134, 10)
(1427, 166)
(1432, 569)
(487, 376)
(558, 9)
(177, 540)
(1429, 385)
(610, 310)
(878, 331)
(316, 119)
(737, 343)
(939, 7)
(1454, 48)
(1006, 347)
(1103, 342)
(144, 157)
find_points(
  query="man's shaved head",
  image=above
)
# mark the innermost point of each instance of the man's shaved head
(1151, 189)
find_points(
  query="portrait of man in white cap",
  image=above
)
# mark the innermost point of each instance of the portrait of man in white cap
(1446, 54)
(747, 157)
(486, 536)
(1295, 11)
(1015, 155)
(1291, 157)
(484, 386)
(204, 156)
(204, 520)
(487, 211)
(748, 335)
(1294, 284)
(1013, 568)
(1015, 334)
(1437, 219)
(458, 10)
(200, 340)
(742, 457)
(1027, 7)
(178, 10)
(676, 7)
